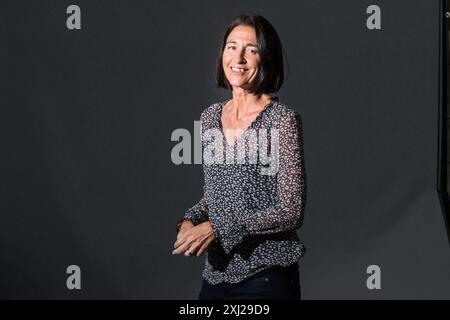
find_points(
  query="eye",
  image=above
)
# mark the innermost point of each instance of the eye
(231, 47)
(252, 50)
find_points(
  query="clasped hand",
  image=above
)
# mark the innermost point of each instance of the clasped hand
(193, 240)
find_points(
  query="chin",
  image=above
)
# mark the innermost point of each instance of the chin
(238, 83)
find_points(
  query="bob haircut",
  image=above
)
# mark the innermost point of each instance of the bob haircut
(270, 76)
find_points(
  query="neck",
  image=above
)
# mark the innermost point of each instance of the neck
(244, 102)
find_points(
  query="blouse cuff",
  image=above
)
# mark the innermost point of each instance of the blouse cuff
(229, 236)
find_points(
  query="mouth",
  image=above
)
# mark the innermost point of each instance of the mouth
(238, 70)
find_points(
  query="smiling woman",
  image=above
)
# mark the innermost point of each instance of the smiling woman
(246, 221)
(252, 45)
(241, 42)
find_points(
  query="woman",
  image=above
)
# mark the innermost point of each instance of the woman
(247, 219)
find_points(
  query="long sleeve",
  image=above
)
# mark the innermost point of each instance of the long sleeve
(197, 214)
(288, 213)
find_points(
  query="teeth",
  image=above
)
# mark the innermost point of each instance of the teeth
(237, 69)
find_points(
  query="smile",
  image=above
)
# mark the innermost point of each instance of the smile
(239, 70)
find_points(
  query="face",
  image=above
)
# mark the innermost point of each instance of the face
(241, 58)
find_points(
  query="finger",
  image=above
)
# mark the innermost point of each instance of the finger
(179, 250)
(200, 251)
(178, 243)
(204, 246)
(193, 248)
(182, 248)
(190, 233)
(189, 252)
(180, 240)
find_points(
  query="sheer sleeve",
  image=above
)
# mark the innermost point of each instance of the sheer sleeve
(197, 214)
(288, 214)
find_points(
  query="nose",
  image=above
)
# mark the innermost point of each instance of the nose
(240, 56)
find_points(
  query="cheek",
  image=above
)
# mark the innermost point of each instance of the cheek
(225, 57)
(255, 64)
(224, 63)
(255, 69)
(225, 69)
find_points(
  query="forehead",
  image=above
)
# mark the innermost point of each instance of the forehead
(242, 34)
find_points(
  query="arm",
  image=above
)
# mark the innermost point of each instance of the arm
(195, 234)
(291, 186)
(197, 214)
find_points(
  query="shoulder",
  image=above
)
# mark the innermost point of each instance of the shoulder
(284, 114)
(211, 110)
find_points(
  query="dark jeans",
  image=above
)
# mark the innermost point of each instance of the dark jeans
(273, 283)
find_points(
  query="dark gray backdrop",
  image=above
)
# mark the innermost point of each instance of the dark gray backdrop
(86, 117)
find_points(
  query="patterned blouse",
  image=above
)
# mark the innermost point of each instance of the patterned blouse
(254, 207)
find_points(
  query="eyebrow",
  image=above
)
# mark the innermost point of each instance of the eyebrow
(248, 45)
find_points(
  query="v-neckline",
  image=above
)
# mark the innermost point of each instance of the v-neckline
(248, 127)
